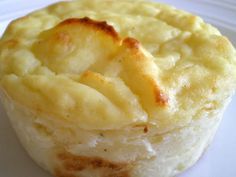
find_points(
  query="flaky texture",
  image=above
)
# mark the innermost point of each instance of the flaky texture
(107, 88)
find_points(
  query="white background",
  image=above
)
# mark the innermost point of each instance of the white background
(220, 158)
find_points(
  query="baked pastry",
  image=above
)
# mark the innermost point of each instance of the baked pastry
(115, 88)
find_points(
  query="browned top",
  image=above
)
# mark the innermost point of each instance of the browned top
(131, 43)
(98, 25)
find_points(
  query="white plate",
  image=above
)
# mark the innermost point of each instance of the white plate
(220, 158)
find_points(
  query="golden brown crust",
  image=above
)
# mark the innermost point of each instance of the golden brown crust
(160, 98)
(131, 43)
(71, 164)
(141, 63)
(98, 25)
